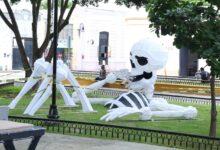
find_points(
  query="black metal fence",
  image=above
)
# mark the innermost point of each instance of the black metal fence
(165, 138)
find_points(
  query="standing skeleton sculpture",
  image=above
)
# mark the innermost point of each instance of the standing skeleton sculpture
(43, 69)
(146, 58)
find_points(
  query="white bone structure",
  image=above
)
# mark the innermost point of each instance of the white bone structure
(147, 56)
(111, 78)
(136, 102)
(40, 67)
(45, 89)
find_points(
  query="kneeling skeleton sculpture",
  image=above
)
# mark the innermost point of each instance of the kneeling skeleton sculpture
(146, 58)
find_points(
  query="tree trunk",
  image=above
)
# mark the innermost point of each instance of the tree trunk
(26, 65)
(50, 53)
(35, 14)
(61, 24)
(213, 123)
(14, 27)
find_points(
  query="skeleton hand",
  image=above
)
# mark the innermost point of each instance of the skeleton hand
(145, 113)
(110, 78)
(122, 74)
(119, 112)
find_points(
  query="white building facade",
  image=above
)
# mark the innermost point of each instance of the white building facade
(23, 15)
(124, 26)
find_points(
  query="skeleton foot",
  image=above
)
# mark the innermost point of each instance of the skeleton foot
(190, 112)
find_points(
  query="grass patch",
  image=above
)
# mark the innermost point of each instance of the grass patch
(198, 126)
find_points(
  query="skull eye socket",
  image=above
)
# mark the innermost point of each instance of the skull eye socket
(141, 60)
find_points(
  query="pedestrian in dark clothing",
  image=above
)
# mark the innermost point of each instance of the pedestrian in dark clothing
(205, 76)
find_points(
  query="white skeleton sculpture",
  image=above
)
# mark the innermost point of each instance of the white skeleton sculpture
(40, 67)
(44, 69)
(147, 56)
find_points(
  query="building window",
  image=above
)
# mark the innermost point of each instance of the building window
(67, 32)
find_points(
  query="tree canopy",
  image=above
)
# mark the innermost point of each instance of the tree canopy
(194, 23)
(129, 3)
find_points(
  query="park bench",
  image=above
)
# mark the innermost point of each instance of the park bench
(11, 131)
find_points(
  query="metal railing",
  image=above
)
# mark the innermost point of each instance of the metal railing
(142, 135)
(170, 97)
(160, 79)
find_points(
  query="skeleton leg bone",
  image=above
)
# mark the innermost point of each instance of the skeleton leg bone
(28, 85)
(67, 99)
(39, 69)
(39, 93)
(188, 113)
(162, 105)
(86, 105)
(161, 108)
(37, 103)
(40, 102)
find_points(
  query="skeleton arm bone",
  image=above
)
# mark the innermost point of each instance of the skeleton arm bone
(119, 112)
(110, 78)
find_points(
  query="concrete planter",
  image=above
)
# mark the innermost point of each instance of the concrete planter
(4, 112)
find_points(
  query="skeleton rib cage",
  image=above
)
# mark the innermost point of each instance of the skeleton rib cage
(130, 99)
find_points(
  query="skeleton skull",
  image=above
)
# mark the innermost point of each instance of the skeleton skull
(146, 57)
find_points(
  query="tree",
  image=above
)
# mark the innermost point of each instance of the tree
(196, 26)
(66, 10)
(129, 3)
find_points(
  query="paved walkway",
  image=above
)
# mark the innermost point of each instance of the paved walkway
(7, 75)
(65, 142)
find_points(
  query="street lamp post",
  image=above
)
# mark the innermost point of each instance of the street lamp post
(53, 112)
